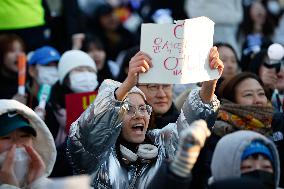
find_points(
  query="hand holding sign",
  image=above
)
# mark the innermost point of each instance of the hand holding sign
(140, 63)
(214, 60)
(180, 51)
(208, 87)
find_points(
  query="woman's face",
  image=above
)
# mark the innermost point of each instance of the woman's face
(135, 123)
(10, 58)
(98, 55)
(250, 92)
(258, 13)
(230, 61)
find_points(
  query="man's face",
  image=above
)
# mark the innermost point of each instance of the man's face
(136, 119)
(257, 162)
(159, 96)
(17, 137)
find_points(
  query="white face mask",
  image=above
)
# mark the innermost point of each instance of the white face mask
(47, 74)
(83, 81)
(21, 164)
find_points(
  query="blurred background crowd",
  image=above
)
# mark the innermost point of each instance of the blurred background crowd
(72, 46)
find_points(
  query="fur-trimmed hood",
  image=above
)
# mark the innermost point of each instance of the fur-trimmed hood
(43, 142)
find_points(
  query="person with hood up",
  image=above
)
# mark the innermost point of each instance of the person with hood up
(27, 149)
(246, 154)
(242, 158)
(110, 140)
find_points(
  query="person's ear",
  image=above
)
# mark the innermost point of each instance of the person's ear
(32, 71)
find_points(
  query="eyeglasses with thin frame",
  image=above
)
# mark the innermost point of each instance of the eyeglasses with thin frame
(131, 110)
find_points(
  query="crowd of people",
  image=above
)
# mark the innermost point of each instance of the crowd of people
(222, 133)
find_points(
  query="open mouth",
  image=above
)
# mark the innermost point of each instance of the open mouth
(138, 128)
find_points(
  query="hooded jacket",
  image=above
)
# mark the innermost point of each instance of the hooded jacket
(92, 139)
(226, 162)
(43, 142)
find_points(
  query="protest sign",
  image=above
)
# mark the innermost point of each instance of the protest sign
(179, 51)
(76, 104)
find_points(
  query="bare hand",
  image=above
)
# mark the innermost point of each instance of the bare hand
(214, 60)
(140, 63)
(269, 77)
(36, 167)
(77, 40)
(208, 87)
(7, 174)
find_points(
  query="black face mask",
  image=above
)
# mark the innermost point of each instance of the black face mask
(266, 178)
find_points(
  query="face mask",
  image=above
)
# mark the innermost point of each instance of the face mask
(266, 178)
(21, 164)
(47, 75)
(83, 81)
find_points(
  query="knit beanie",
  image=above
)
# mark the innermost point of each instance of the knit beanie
(73, 59)
(257, 147)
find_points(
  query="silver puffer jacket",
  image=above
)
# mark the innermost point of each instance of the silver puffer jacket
(92, 140)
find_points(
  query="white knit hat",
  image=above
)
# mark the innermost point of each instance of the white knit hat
(73, 59)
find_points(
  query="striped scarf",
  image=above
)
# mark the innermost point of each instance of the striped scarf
(232, 117)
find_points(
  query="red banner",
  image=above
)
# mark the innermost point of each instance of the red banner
(76, 104)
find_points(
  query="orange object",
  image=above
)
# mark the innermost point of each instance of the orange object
(22, 61)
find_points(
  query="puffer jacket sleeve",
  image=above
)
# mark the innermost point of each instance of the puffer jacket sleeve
(194, 109)
(7, 186)
(93, 135)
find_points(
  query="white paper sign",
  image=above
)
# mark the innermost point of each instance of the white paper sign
(179, 51)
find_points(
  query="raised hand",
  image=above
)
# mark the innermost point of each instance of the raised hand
(36, 167)
(139, 63)
(208, 87)
(191, 141)
(7, 174)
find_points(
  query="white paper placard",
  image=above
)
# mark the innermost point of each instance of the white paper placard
(179, 51)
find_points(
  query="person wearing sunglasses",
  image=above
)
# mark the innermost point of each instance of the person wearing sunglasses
(266, 70)
(111, 140)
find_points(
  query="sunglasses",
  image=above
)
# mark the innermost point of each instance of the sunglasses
(277, 66)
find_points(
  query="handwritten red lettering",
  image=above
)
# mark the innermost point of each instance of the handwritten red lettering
(178, 31)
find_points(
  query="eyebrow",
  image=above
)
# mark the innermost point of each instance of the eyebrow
(250, 90)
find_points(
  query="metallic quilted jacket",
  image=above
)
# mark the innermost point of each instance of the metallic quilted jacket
(92, 140)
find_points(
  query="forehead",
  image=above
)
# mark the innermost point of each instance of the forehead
(248, 83)
(135, 99)
(83, 68)
(223, 50)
